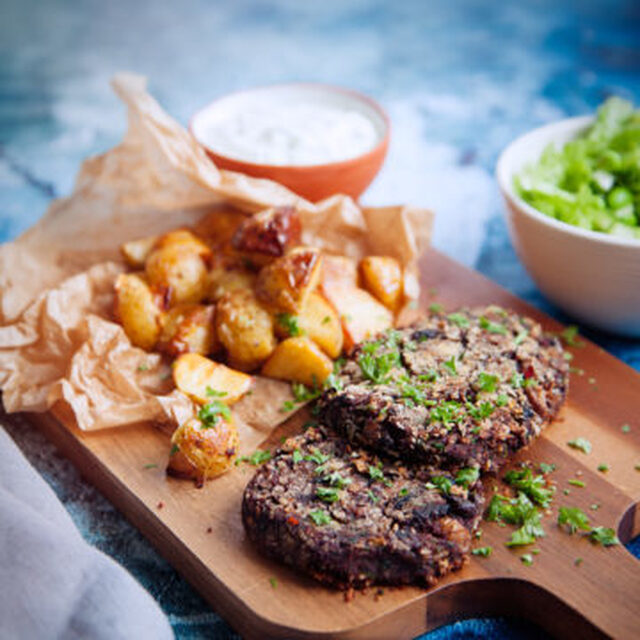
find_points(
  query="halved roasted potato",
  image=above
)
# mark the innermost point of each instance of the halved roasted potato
(222, 279)
(338, 271)
(178, 270)
(245, 329)
(285, 284)
(183, 238)
(136, 252)
(199, 452)
(268, 234)
(361, 315)
(219, 226)
(382, 277)
(188, 328)
(138, 309)
(320, 322)
(203, 379)
(298, 360)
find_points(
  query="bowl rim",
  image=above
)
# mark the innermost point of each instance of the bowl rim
(333, 88)
(504, 178)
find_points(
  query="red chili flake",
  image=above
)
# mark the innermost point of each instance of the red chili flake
(293, 520)
(160, 505)
(529, 372)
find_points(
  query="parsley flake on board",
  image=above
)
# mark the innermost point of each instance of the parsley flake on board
(534, 486)
(527, 559)
(518, 511)
(574, 517)
(604, 536)
(625, 428)
(570, 337)
(273, 582)
(290, 323)
(577, 483)
(582, 444)
(258, 457)
(603, 467)
(485, 552)
(547, 468)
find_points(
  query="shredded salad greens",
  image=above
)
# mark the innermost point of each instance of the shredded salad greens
(592, 182)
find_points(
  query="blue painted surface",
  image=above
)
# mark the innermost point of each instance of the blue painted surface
(460, 79)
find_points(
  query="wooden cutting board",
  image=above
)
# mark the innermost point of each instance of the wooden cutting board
(200, 532)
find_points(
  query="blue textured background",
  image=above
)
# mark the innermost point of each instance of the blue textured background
(460, 79)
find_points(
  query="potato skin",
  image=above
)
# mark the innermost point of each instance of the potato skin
(194, 375)
(200, 453)
(183, 238)
(138, 309)
(135, 252)
(382, 277)
(285, 283)
(321, 323)
(268, 234)
(245, 329)
(178, 270)
(298, 360)
(219, 226)
(188, 328)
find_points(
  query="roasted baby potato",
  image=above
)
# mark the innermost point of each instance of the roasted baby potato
(268, 234)
(320, 322)
(284, 284)
(179, 271)
(382, 277)
(135, 252)
(298, 360)
(200, 452)
(361, 315)
(138, 308)
(338, 271)
(245, 329)
(183, 238)
(219, 226)
(188, 328)
(223, 279)
(203, 379)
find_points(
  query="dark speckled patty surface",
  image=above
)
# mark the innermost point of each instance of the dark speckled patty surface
(337, 513)
(460, 389)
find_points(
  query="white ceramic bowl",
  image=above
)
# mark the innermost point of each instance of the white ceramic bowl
(594, 277)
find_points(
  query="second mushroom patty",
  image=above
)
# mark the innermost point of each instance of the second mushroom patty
(341, 515)
(460, 389)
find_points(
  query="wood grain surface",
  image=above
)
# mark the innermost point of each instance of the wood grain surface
(200, 530)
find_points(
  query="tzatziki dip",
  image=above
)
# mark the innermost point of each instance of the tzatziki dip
(281, 134)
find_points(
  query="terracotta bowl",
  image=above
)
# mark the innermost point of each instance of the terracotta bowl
(313, 182)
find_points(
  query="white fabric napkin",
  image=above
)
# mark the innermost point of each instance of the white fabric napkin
(52, 583)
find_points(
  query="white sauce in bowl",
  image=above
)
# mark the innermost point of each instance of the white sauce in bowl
(290, 126)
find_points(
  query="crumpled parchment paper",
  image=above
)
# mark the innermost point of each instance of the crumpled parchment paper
(59, 345)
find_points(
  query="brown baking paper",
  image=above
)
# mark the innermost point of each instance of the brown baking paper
(59, 344)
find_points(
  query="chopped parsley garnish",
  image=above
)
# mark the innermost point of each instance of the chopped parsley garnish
(582, 444)
(320, 517)
(604, 536)
(492, 327)
(174, 449)
(517, 380)
(481, 411)
(445, 412)
(152, 465)
(375, 473)
(372, 496)
(335, 479)
(435, 307)
(326, 320)
(547, 468)
(377, 368)
(212, 412)
(442, 483)
(570, 337)
(296, 456)
(289, 322)
(527, 559)
(459, 319)
(578, 561)
(574, 517)
(625, 428)
(273, 582)
(403, 492)
(410, 391)
(430, 376)
(328, 494)
(450, 365)
(317, 457)
(143, 367)
(256, 458)
(529, 382)
(577, 483)
(517, 511)
(467, 476)
(534, 486)
(486, 382)
(485, 552)
(502, 400)
(603, 467)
